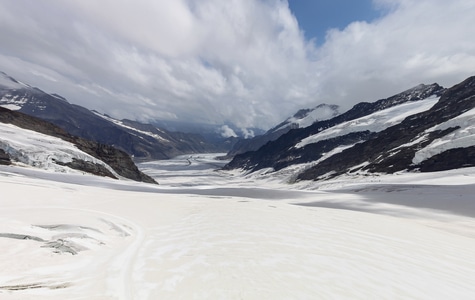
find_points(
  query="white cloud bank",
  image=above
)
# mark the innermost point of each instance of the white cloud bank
(244, 62)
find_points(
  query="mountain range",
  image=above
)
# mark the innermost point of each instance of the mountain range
(143, 141)
(423, 129)
(426, 128)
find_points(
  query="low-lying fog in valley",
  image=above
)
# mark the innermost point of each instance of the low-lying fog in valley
(210, 234)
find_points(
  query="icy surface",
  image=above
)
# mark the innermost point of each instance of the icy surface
(206, 234)
(460, 138)
(375, 122)
(40, 150)
(319, 113)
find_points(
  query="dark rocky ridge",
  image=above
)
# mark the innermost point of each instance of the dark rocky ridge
(118, 160)
(281, 153)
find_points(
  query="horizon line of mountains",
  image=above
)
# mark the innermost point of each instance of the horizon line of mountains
(426, 128)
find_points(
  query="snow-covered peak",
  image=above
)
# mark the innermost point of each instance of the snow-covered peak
(306, 117)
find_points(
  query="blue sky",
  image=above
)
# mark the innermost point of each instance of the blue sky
(238, 62)
(315, 17)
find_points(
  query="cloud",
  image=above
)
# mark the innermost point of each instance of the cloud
(242, 62)
(247, 133)
(421, 41)
(227, 132)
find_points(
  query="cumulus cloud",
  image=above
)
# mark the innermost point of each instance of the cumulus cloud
(244, 62)
(417, 42)
(227, 132)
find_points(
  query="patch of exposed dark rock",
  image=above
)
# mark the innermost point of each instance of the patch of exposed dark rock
(88, 166)
(450, 159)
(4, 158)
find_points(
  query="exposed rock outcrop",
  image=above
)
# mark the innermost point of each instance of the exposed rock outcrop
(4, 158)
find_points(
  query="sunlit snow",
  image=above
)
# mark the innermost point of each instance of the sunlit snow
(375, 122)
(460, 138)
(206, 234)
(40, 150)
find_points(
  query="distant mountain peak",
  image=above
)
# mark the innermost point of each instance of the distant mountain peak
(306, 117)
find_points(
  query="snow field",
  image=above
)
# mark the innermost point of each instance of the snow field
(152, 242)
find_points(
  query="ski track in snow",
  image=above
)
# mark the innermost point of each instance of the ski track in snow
(150, 242)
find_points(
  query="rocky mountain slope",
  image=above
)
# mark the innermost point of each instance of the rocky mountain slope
(441, 138)
(140, 140)
(32, 141)
(427, 128)
(303, 118)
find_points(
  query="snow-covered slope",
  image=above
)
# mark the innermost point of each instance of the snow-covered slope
(42, 151)
(306, 117)
(462, 137)
(32, 141)
(425, 129)
(84, 237)
(439, 138)
(374, 122)
(155, 133)
(361, 123)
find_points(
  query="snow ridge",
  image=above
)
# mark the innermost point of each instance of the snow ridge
(375, 122)
(42, 151)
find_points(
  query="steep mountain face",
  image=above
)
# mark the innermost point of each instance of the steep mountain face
(324, 138)
(441, 138)
(303, 118)
(140, 140)
(38, 143)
